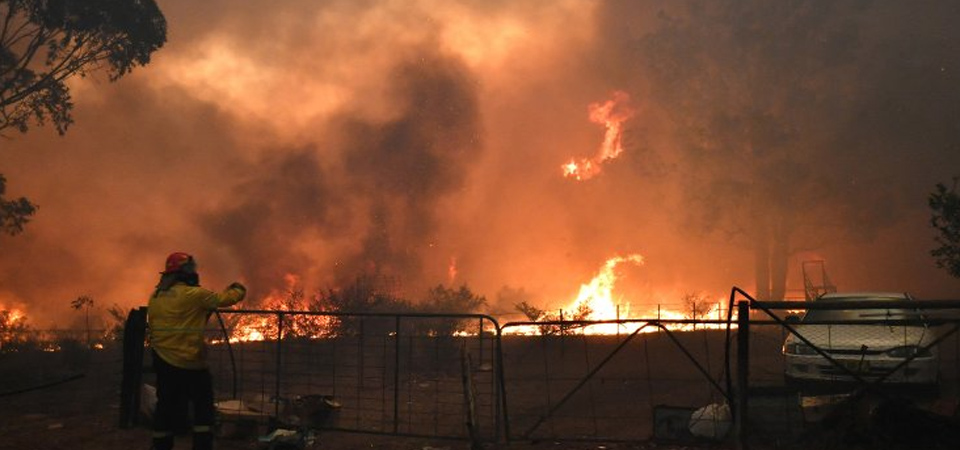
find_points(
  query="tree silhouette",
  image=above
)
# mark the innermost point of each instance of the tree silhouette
(45, 42)
(739, 80)
(945, 206)
(14, 214)
(84, 302)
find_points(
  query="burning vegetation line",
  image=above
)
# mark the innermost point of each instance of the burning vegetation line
(263, 324)
(335, 313)
(595, 311)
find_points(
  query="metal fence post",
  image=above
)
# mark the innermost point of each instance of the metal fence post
(743, 372)
(276, 401)
(480, 335)
(396, 377)
(502, 417)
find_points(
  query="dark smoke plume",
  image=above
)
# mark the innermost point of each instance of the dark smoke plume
(372, 184)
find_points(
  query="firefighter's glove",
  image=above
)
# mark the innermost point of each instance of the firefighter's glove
(238, 286)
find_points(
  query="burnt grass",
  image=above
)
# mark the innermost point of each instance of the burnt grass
(70, 400)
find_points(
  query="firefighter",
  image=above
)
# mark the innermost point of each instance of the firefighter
(177, 316)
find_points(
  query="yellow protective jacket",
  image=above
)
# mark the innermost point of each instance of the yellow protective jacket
(177, 318)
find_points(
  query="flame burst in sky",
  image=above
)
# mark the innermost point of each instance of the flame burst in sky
(611, 114)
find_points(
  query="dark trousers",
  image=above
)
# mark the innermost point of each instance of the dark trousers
(176, 388)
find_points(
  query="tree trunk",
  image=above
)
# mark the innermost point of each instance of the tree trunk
(761, 254)
(779, 261)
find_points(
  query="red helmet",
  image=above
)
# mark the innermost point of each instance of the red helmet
(180, 262)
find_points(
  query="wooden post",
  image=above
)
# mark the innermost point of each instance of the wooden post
(134, 334)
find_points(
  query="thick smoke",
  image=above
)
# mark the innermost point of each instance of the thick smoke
(326, 139)
(376, 203)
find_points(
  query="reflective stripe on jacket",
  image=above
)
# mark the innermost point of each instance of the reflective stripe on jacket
(177, 318)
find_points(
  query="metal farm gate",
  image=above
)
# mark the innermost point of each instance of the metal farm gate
(466, 377)
(430, 375)
(564, 382)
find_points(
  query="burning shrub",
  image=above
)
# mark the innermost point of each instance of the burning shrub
(118, 319)
(14, 331)
(85, 303)
(531, 312)
(363, 296)
(441, 300)
(536, 314)
(696, 305)
(254, 327)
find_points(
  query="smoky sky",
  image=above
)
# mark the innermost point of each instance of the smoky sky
(380, 194)
(321, 140)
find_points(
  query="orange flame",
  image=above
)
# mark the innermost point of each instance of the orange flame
(13, 318)
(259, 328)
(598, 293)
(11, 321)
(595, 299)
(611, 114)
(452, 270)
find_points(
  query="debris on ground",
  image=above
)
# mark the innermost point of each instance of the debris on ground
(872, 421)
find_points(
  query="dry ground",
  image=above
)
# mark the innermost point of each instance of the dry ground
(83, 413)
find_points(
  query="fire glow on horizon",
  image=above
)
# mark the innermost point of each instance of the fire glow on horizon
(596, 300)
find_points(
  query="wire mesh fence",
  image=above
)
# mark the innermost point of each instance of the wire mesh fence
(840, 362)
(590, 385)
(417, 375)
(775, 373)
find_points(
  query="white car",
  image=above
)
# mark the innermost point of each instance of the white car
(869, 350)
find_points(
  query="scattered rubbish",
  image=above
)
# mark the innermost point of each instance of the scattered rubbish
(711, 422)
(148, 401)
(282, 438)
(307, 411)
(671, 424)
(278, 434)
(239, 419)
(876, 421)
(815, 407)
(235, 408)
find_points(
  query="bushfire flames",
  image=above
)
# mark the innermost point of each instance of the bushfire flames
(260, 327)
(611, 114)
(595, 301)
(11, 321)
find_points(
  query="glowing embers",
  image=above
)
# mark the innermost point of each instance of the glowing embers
(611, 114)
